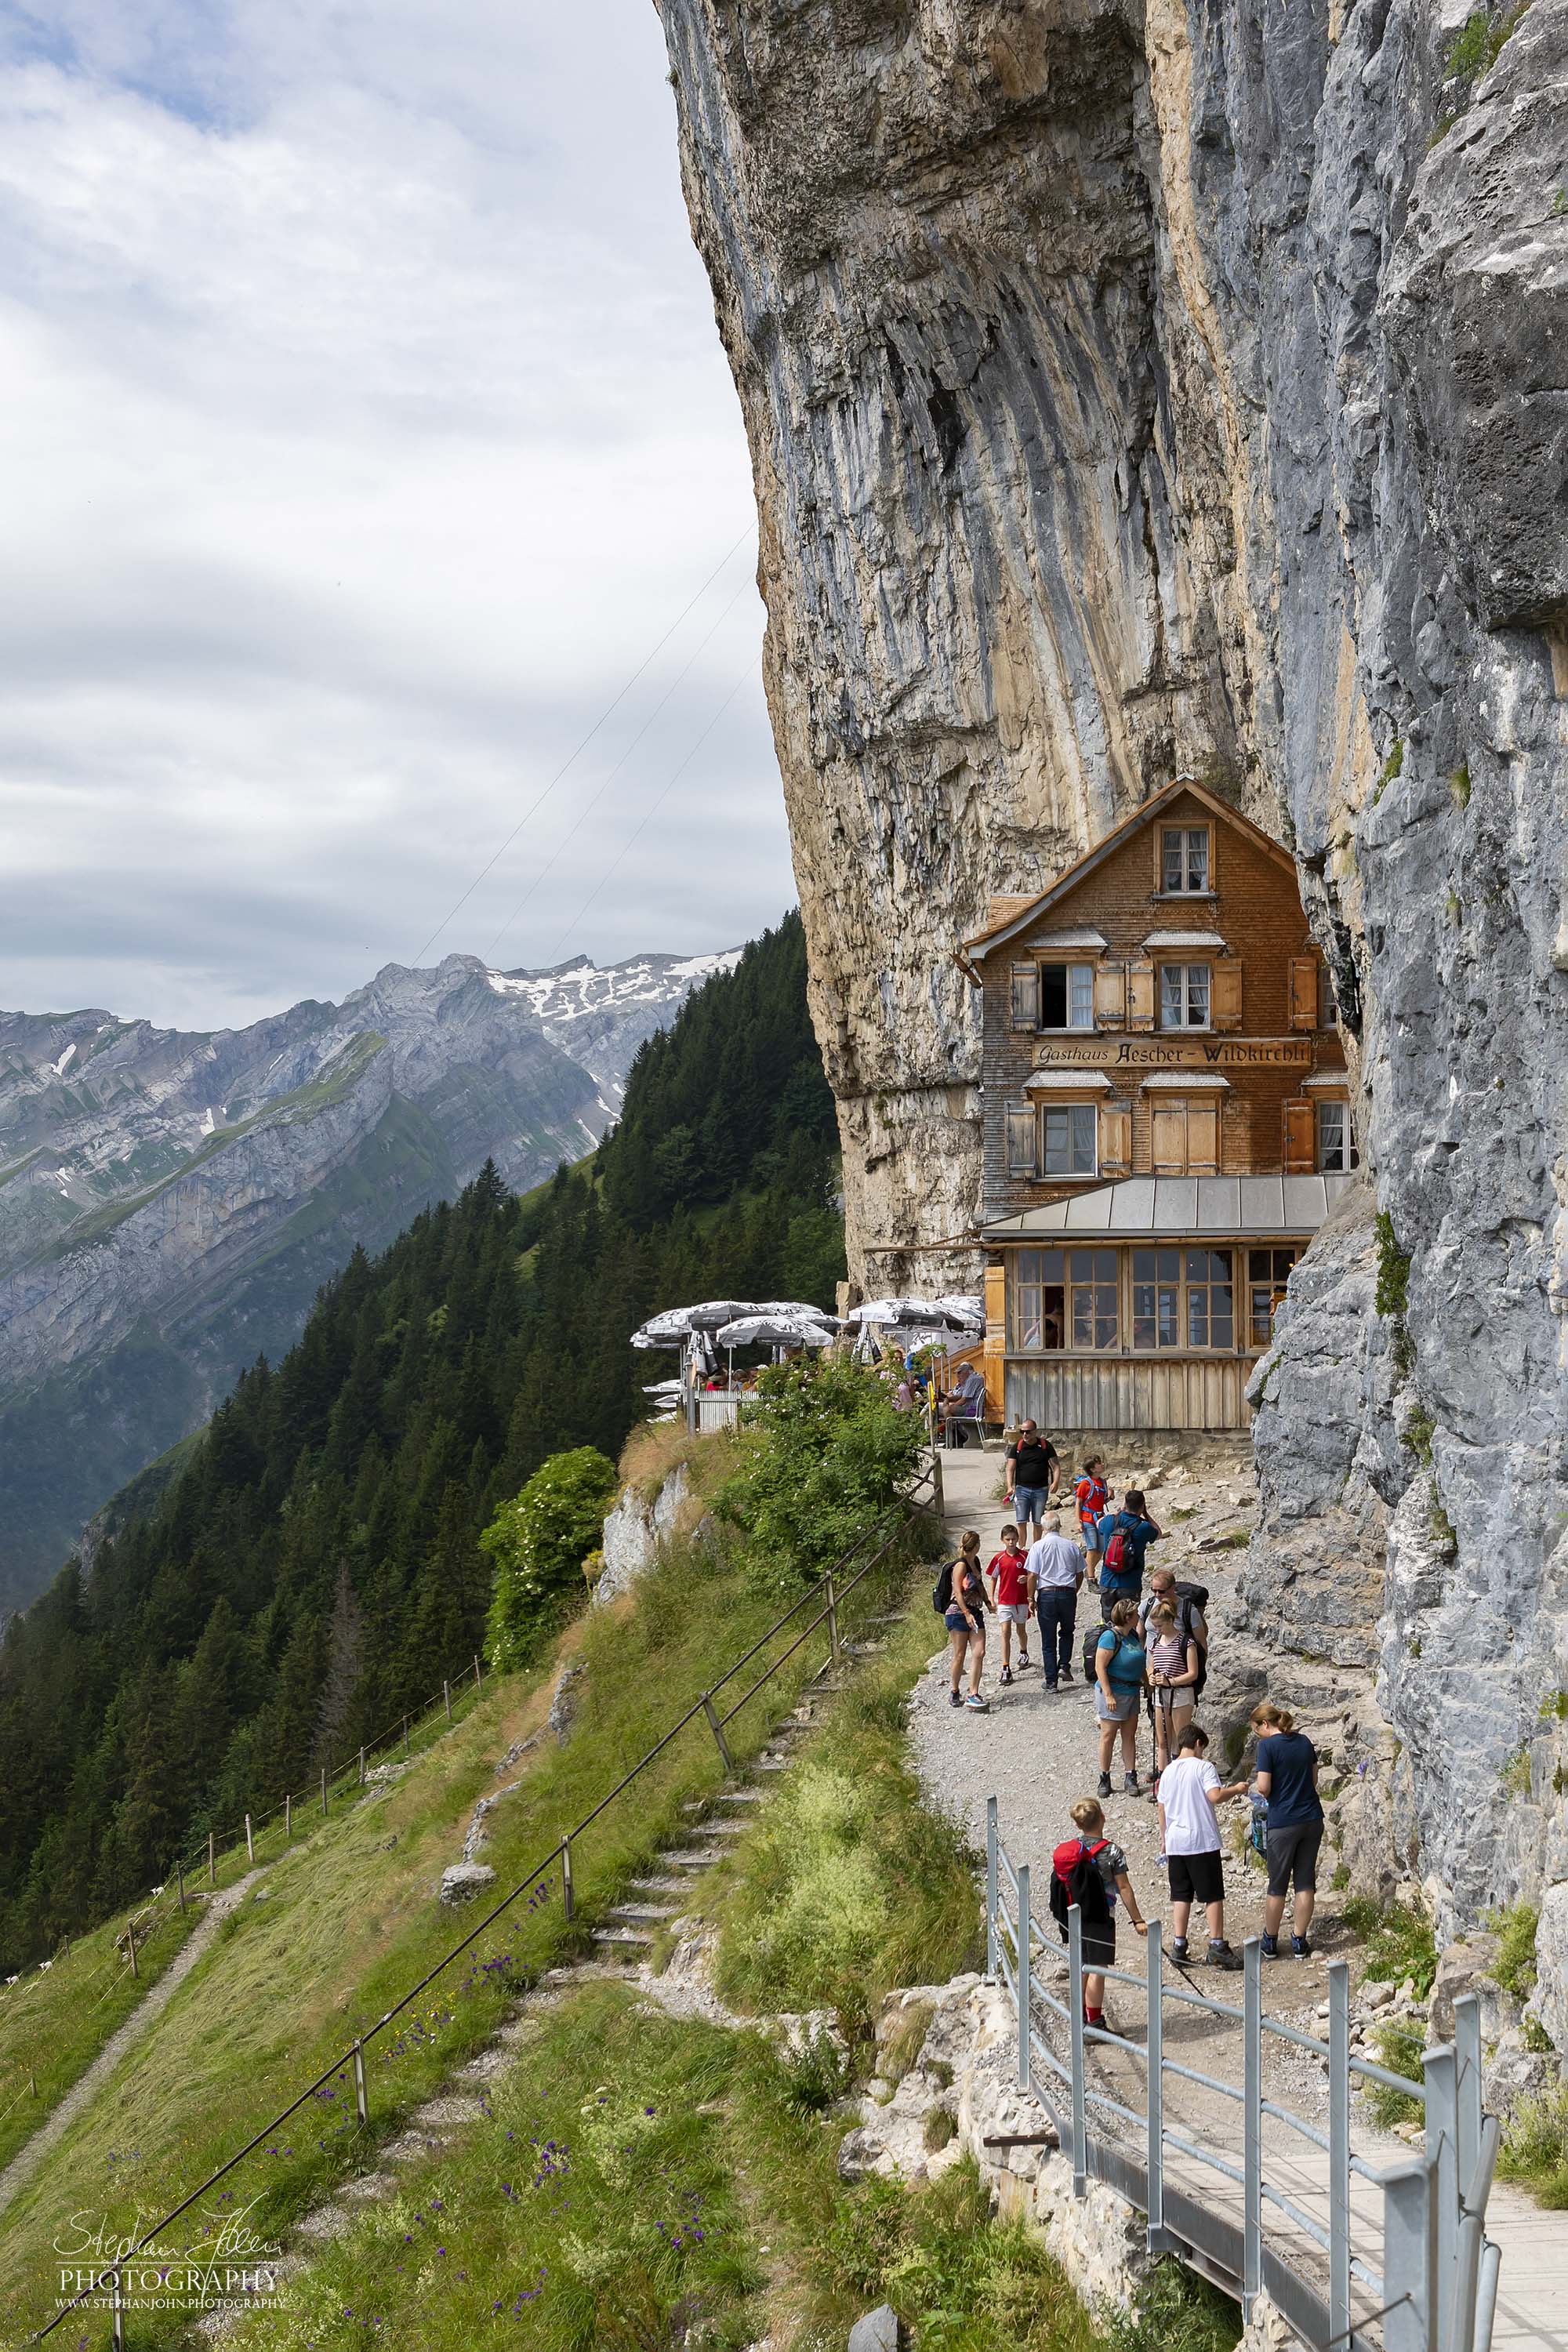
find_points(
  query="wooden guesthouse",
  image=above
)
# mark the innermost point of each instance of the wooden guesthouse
(1167, 1120)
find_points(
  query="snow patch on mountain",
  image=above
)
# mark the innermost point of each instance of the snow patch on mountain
(600, 1013)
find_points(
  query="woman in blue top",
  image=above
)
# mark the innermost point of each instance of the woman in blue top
(1287, 1767)
(1121, 1671)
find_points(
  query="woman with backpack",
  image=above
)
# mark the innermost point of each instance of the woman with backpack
(961, 1596)
(1286, 1768)
(1089, 1871)
(1175, 1665)
(1122, 1672)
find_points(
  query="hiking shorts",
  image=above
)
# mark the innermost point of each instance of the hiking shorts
(957, 1622)
(1196, 1877)
(1099, 1946)
(1120, 1708)
(1013, 1612)
(1090, 1530)
(1293, 1852)
(1029, 1503)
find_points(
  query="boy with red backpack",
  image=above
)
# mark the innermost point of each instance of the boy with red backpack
(1089, 1871)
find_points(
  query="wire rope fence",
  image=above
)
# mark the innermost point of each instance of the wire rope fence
(716, 1709)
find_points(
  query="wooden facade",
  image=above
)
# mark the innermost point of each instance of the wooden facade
(1157, 1019)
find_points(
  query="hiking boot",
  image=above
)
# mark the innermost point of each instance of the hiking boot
(1179, 1950)
(1300, 1949)
(955, 1698)
(1221, 1956)
(1066, 1673)
(980, 1705)
(1006, 1677)
(1131, 1784)
(1271, 1947)
(1104, 1788)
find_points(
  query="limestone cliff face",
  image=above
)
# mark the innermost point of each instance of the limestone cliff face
(1140, 388)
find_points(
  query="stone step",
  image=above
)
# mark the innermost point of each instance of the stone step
(701, 1857)
(630, 1914)
(656, 1887)
(743, 1796)
(623, 1939)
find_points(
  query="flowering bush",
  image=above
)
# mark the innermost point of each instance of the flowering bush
(539, 1541)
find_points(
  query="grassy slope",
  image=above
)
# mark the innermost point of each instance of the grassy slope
(350, 1920)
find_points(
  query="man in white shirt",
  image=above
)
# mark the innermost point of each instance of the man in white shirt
(1055, 1571)
(1187, 1793)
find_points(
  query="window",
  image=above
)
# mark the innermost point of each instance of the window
(1183, 996)
(1156, 1298)
(1069, 1130)
(1067, 996)
(1211, 1321)
(1337, 1153)
(1092, 1317)
(1184, 859)
(1035, 1299)
(1268, 1271)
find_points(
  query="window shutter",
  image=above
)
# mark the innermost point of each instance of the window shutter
(1225, 1000)
(1203, 1138)
(1115, 1140)
(1301, 1139)
(1026, 996)
(1170, 1130)
(1140, 996)
(1111, 995)
(1022, 1140)
(1303, 991)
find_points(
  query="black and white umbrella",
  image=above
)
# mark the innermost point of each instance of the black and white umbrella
(773, 1330)
(799, 1310)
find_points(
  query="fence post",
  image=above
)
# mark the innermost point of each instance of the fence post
(718, 1731)
(566, 1890)
(479, 1672)
(1252, 2123)
(131, 1938)
(1156, 2042)
(1468, 2088)
(832, 1624)
(1409, 2258)
(362, 2096)
(990, 1874)
(1025, 1974)
(249, 1841)
(180, 1879)
(361, 1767)
(447, 1696)
(212, 1858)
(405, 1735)
(117, 2318)
(1075, 2005)
(287, 1819)
(324, 1792)
(1441, 2073)
(1338, 2150)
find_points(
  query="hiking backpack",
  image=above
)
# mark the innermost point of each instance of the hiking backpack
(1076, 1879)
(941, 1590)
(1115, 1561)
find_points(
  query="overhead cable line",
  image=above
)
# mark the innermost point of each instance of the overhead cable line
(610, 871)
(604, 714)
(590, 805)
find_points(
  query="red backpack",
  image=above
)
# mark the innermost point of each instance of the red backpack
(1076, 1879)
(1115, 1561)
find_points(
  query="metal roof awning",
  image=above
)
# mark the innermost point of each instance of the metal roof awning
(1176, 1208)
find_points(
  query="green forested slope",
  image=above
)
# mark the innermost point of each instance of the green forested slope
(313, 1567)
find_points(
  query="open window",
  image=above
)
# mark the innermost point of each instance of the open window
(1185, 865)
(1067, 996)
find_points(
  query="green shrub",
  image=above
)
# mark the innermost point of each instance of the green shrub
(1398, 1943)
(1459, 784)
(1478, 45)
(1392, 1296)
(828, 1455)
(1176, 2312)
(1535, 2147)
(1515, 1775)
(814, 2073)
(539, 1541)
(1419, 1431)
(1399, 2048)
(1515, 1931)
(1391, 768)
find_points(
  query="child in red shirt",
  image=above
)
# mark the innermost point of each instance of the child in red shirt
(1009, 1595)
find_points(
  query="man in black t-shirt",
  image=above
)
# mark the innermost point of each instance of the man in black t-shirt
(1031, 1478)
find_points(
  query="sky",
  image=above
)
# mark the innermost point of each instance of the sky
(363, 428)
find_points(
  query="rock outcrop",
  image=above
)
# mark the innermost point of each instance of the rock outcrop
(1137, 388)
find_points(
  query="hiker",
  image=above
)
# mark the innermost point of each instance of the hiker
(1121, 1671)
(1188, 1795)
(1089, 1871)
(1030, 1476)
(1054, 1567)
(1175, 1665)
(1123, 1537)
(1007, 1582)
(1188, 1601)
(1285, 1765)
(961, 1596)
(1092, 1496)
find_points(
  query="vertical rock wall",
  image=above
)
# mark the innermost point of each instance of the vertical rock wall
(1135, 389)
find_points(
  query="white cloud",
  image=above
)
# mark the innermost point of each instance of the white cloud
(364, 425)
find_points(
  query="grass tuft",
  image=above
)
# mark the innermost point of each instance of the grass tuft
(1515, 1931)
(1535, 2148)
(1398, 1943)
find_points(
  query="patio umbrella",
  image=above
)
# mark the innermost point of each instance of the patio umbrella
(775, 1331)
(967, 1305)
(661, 1388)
(798, 1310)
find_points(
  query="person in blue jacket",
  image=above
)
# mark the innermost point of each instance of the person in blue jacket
(1122, 1569)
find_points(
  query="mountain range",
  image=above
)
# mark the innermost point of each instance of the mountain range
(171, 1201)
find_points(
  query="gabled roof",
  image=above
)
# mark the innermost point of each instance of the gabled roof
(1179, 1208)
(1011, 916)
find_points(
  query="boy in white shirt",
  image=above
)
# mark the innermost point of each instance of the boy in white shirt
(1187, 1793)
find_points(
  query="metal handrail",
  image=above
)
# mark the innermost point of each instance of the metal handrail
(1439, 2279)
(904, 1513)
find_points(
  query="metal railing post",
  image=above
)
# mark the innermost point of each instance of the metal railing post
(567, 1896)
(287, 1819)
(832, 1623)
(1486, 2299)
(447, 1696)
(1075, 2005)
(1475, 2188)
(991, 1890)
(249, 1841)
(1409, 2258)
(1155, 2047)
(130, 1939)
(1252, 2123)
(324, 1792)
(180, 1880)
(718, 1730)
(117, 2312)
(1025, 1975)
(361, 2096)
(1441, 2072)
(212, 1858)
(479, 1672)
(1339, 2151)
(361, 1767)
(1468, 2088)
